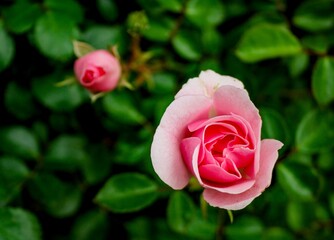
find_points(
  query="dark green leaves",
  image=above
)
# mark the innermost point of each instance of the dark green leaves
(267, 41)
(54, 34)
(127, 192)
(6, 48)
(315, 15)
(323, 80)
(315, 132)
(19, 141)
(202, 14)
(187, 45)
(18, 224)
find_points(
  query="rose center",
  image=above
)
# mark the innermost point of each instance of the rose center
(91, 74)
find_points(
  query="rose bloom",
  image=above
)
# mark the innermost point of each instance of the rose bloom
(98, 71)
(212, 131)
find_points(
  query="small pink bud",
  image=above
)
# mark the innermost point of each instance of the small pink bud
(98, 71)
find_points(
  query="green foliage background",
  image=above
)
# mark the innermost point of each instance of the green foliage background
(72, 169)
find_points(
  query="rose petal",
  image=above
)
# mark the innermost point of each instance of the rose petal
(187, 147)
(206, 84)
(268, 158)
(231, 100)
(165, 150)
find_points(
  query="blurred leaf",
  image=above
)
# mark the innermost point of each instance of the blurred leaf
(66, 152)
(91, 225)
(325, 161)
(205, 13)
(274, 126)
(163, 83)
(120, 107)
(97, 166)
(317, 43)
(60, 199)
(19, 101)
(186, 44)
(331, 202)
(276, 233)
(131, 153)
(245, 228)
(108, 9)
(19, 141)
(159, 29)
(54, 34)
(314, 15)
(127, 192)
(212, 41)
(103, 36)
(13, 173)
(315, 132)
(297, 64)
(300, 182)
(265, 41)
(68, 8)
(7, 49)
(21, 16)
(180, 211)
(299, 215)
(62, 99)
(18, 224)
(323, 80)
(171, 5)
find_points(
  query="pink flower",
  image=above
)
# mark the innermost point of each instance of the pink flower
(98, 71)
(211, 131)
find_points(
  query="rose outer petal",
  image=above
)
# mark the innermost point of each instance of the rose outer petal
(268, 158)
(165, 150)
(206, 84)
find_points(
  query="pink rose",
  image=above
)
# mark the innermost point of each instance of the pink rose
(211, 131)
(98, 71)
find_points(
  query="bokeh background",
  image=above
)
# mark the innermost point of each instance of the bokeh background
(73, 169)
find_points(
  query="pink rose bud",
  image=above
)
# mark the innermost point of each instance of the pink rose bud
(98, 71)
(212, 131)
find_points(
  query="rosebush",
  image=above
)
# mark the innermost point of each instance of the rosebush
(73, 168)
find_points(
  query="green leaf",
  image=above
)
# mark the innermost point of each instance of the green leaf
(171, 5)
(212, 41)
(19, 141)
(297, 64)
(108, 9)
(323, 80)
(317, 43)
(265, 41)
(180, 211)
(68, 8)
(81, 49)
(187, 45)
(13, 173)
(159, 29)
(66, 152)
(120, 107)
(97, 166)
(127, 192)
(54, 34)
(315, 132)
(7, 49)
(205, 13)
(22, 107)
(299, 181)
(276, 233)
(21, 16)
(245, 228)
(274, 125)
(314, 15)
(60, 199)
(91, 225)
(61, 99)
(102, 37)
(163, 83)
(300, 215)
(18, 224)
